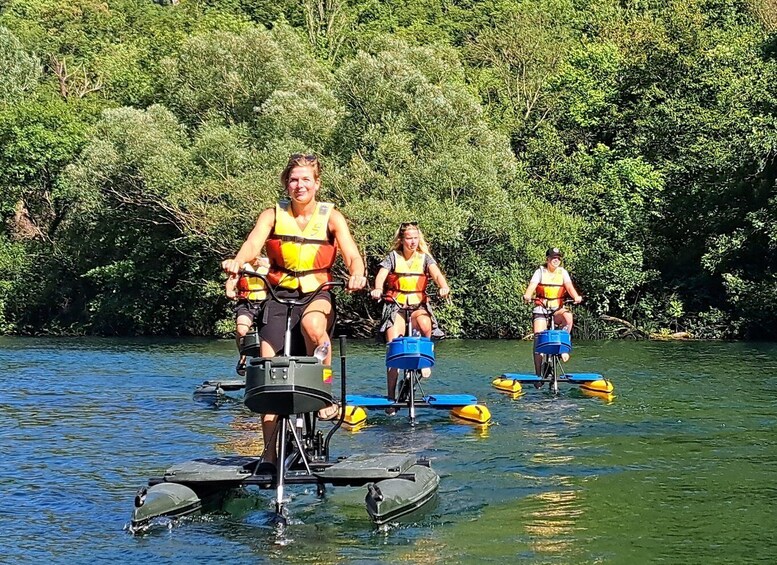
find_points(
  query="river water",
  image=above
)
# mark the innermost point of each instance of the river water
(681, 467)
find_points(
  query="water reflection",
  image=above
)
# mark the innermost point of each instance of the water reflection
(687, 440)
(552, 524)
(245, 437)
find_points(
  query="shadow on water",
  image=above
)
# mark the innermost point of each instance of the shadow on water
(687, 441)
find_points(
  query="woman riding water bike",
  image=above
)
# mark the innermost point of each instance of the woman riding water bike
(301, 237)
(404, 273)
(250, 293)
(547, 289)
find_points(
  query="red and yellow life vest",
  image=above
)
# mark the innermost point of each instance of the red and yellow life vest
(551, 287)
(406, 284)
(252, 288)
(301, 259)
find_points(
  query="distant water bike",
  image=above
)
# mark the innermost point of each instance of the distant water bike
(412, 354)
(295, 388)
(217, 392)
(552, 344)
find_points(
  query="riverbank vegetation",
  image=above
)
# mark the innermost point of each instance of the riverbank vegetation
(139, 140)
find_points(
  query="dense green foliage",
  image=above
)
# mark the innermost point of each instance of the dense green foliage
(139, 140)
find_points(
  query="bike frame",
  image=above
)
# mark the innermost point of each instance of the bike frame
(411, 378)
(552, 367)
(300, 442)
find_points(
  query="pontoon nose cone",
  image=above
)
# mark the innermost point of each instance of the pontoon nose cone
(390, 499)
(164, 499)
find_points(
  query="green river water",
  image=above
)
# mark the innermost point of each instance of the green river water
(680, 467)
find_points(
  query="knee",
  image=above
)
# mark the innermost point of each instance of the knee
(314, 327)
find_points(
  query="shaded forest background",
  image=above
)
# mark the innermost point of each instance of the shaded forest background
(139, 140)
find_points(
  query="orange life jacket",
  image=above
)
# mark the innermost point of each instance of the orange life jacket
(252, 288)
(406, 284)
(551, 287)
(301, 259)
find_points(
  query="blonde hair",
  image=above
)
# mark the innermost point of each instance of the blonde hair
(400, 234)
(301, 160)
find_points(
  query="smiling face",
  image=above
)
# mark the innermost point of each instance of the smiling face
(302, 183)
(553, 262)
(410, 240)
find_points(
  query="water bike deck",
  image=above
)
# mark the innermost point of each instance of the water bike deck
(438, 401)
(572, 378)
(397, 484)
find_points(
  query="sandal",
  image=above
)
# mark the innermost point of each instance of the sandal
(240, 368)
(329, 413)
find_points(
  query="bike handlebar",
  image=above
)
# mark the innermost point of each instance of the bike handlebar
(291, 301)
(564, 302)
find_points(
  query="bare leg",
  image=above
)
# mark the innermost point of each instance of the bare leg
(423, 323)
(564, 321)
(243, 325)
(539, 324)
(269, 421)
(315, 321)
(392, 374)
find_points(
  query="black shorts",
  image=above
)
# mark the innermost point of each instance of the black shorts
(273, 328)
(248, 308)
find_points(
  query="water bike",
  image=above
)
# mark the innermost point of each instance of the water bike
(226, 391)
(412, 354)
(295, 388)
(552, 344)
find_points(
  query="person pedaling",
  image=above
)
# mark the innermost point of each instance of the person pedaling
(550, 288)
(301, 237)
(300, 262)
(251, 294)
(547, 288)
(406, 285)
(401, 283)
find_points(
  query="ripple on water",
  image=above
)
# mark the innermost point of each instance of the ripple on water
(678, 467)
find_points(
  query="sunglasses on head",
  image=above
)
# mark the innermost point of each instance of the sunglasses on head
(305, 156)
(404, 225)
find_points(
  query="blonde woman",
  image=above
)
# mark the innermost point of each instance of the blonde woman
(401, 281)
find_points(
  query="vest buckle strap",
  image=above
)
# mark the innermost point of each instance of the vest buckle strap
(297, 274)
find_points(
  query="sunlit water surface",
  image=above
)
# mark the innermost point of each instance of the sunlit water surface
(681, 467)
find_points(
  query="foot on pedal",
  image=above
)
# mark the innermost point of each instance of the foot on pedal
(240, 369)
(329, 413)
(426, 373)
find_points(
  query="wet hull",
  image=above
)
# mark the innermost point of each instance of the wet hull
(391, 499)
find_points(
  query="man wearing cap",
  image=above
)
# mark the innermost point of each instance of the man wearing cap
(547, 288)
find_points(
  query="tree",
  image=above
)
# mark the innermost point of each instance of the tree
(19, 71)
